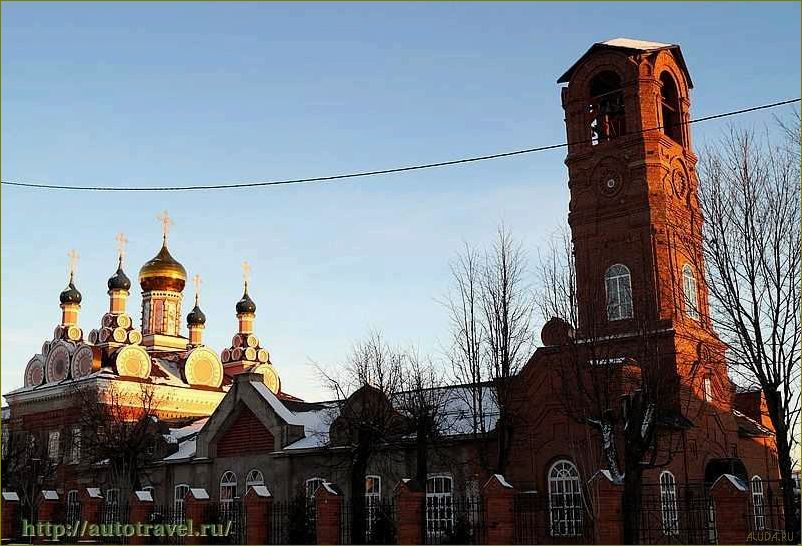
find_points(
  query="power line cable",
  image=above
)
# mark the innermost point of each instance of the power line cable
(361, 174)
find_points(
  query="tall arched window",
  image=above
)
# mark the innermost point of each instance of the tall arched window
(606, 107)
(758, 503)
(618, 284)
(179, 494)
(690, 291)
(373, 493)
(669, 106)
(439, 508)
(254, 477)
(228, 487)
(668, 503)
(73, 506)
(565, 499)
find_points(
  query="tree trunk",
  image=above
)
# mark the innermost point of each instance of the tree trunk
(631, 503)
(776, 414)
(357, 478)
(422, 455)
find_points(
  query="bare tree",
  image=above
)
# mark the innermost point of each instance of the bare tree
(29, 466)
(366, 419)
(750, 198)
(507, 307)
(556, 280)
(465, 354)
(119, 434)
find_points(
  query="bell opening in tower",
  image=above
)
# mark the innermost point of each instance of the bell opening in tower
(669, 107)
(606, 108)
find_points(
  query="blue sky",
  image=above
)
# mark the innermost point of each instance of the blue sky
(195, 93)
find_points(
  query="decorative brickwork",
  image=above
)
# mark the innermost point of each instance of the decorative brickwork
(245, 435)
(409, 501)
(328, 510)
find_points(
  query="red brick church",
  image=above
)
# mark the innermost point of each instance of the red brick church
(643, 345)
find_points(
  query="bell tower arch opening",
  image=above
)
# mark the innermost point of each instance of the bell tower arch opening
(670, 108)
(606, 108)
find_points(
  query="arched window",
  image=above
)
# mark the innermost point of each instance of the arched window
(690, 291)
(311, 486)
(373, 495)
(606, 107)
(669, 106)
(73, 506)
(254, 477)
(758, 503)
(565, 500)
(668, 503)
(228, 487)
(618, 284)
(179, 494)
(439, 508)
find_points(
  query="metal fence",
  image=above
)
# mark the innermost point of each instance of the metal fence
(378, 522)
(678, 514)
(538, 522)
(293, 522)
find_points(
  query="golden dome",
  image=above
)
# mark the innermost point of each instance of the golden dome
(162, 272)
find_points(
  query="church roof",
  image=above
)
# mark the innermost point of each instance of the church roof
(629, 45)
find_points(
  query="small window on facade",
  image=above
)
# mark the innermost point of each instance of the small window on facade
(179, 494)
(53, 444)
(708, 389)
(439, 508)
(670, 109)
(228, 488)
(373, 494)
(618, 285)
(75, 445)
(254, 477)
(691, 293)
(73, 507)
(668, 503)
(606, 108)
(758, 503)
(565, 500)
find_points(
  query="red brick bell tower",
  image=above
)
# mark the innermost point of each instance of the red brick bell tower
(634, 212)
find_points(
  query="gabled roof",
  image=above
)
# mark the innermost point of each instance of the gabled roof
(631, 46)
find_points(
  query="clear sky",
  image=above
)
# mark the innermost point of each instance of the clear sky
(193, 93)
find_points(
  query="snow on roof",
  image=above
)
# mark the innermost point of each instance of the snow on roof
(49, 494)
(144, 496)
(280, 409)
(316, 424)
(10, 496)
(635, 44)
(737, 482)
(193, 428)
(94, 492)
(199, 493)
(186, 450)
(261, 491)
(502, 481)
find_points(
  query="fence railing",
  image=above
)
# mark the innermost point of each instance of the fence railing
(564, 521)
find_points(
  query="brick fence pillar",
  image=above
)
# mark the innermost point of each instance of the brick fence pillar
(10, 516)
(196, 506)
(731, 497)
(409, 499)
(91, 505)
(498, 497)
(48, 510)
(141, 508)
(609, 525)
(328, 508)
(258, 505)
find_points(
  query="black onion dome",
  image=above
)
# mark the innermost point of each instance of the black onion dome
(196, 317)
(246, 304)
(119, 281)
(70, 294)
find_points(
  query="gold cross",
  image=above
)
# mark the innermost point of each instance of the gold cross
(166, 221)
(73, 255)
(197, 281)
(121, 242)
(246, 272)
